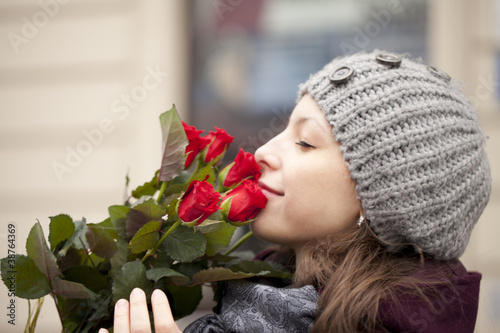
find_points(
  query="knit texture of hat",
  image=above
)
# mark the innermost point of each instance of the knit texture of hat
(414, 147)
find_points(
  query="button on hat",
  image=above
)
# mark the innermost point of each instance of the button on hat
(341, 75)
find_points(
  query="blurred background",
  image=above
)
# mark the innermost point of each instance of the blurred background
(82, 84)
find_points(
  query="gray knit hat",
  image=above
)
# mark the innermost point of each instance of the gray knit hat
(413, 145)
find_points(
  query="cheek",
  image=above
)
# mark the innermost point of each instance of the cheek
(324, 201)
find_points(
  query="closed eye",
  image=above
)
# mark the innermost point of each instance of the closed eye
(304, 144)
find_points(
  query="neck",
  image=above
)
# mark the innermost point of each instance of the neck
(299, 256)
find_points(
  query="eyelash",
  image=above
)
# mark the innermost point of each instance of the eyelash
(304, 144)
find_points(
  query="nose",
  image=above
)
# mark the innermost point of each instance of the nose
(268, 156)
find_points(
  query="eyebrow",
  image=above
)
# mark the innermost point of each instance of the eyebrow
(304, 119)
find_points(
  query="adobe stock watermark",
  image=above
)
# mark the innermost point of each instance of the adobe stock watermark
(277, 124)
(31, 25)
(121, 107)
(10, 273)
(223, 6)
(486, 87)
(380, 19)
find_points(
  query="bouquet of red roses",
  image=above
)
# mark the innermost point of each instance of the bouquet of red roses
(172, 233)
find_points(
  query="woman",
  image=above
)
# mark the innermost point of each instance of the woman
(373, 218)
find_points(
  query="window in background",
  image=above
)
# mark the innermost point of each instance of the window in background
(250, 56)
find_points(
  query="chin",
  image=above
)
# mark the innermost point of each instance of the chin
(258, 227)
(254, 227)
(265, 232)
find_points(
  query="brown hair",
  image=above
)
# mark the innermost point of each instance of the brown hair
(354, 272)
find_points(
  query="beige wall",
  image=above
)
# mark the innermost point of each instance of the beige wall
(462, 43)
(69, 76)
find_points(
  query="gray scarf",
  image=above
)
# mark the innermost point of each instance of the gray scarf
(253, 307)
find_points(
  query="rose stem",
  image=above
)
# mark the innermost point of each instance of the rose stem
(162, 189)
(239, 242)
(165, 235)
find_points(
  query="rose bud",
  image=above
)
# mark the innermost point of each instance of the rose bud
(220, 140)
(243, 167)
(195, 145)
(241, 204)
(198, 202)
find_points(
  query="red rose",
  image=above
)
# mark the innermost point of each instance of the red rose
(243, 167)
(243, 203)
(198, 202)
(220, 140)
(195, 145)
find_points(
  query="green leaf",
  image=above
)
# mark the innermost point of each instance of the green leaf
(141, 214)
(100, 305)
(100, 241)
(206, 173)
(163, 260)
(185, 244)
(130, 276)
(96, 260)
(72, 258)
(257, 267)
(86, 315)
(220, 273)
(120, 257)
(39, 252)
(146, 237)
(72, 313)
(213, 218)
(175, 188)
(109, 227)
(189, 269)
(218, 236)
(183, 300)
(175, 277)
(179, 183)
(148, 188)
(61, 228)
(118, 216)
(90, 277)
(21, 276)
(174, 142)
(182, 178)
(238, 256)
(70, 289)
(172, 215)
(77, 240)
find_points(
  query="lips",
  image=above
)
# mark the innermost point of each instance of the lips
(269, 191)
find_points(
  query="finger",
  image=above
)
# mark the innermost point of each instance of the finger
(139, 315)
(122, 320)
(164, 321)
(103, 330)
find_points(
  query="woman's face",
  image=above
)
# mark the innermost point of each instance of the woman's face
(309, 189)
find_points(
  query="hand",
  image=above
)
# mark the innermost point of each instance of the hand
(135, 317)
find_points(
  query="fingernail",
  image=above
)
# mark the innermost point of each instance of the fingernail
(157, 295)
(102, 330)
(136, 292)
(121, 303)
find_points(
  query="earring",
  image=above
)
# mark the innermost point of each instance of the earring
(361, 220)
